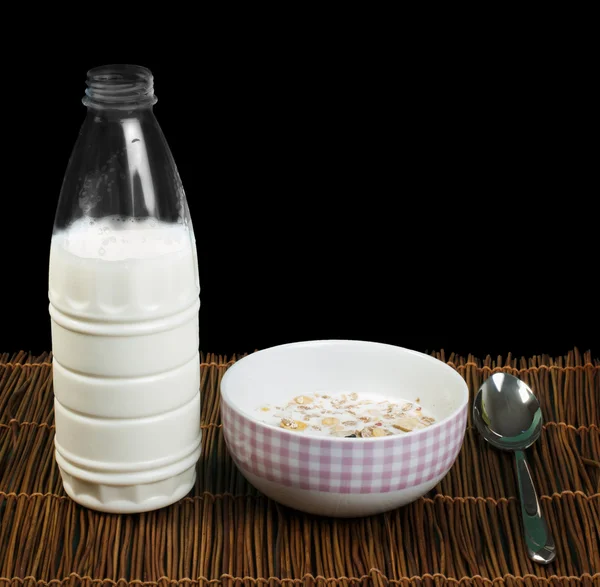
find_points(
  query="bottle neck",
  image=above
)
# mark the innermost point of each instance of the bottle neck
(119, 87)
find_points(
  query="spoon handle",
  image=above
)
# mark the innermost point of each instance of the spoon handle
(540, 545)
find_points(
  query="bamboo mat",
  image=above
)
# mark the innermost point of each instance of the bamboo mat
(466, 531)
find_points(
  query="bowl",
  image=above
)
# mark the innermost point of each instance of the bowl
(342, 477)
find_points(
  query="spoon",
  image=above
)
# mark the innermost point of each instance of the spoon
(509, 417)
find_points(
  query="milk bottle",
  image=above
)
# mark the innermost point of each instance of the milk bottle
(124, 301)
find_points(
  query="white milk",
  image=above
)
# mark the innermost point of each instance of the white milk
(124, 301)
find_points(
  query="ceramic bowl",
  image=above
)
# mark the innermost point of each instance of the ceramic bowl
(342, 477)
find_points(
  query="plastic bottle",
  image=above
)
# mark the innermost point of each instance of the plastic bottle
(124, 302)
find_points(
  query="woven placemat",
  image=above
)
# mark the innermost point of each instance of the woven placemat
(467, 530)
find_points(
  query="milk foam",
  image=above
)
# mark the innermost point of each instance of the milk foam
(115, 238)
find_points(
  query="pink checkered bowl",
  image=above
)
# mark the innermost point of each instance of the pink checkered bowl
(342, 477)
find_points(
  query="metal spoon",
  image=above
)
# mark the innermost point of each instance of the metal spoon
(509, 417)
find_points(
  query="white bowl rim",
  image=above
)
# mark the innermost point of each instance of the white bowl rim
(328, 342)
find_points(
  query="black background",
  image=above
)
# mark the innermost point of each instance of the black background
(439, 204)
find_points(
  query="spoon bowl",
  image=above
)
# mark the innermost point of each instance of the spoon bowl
(507, 413)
